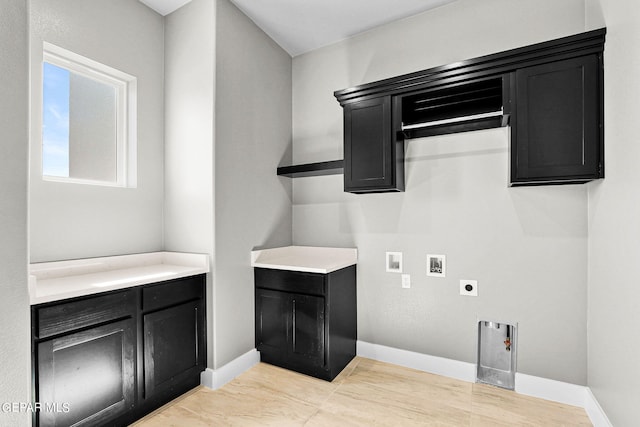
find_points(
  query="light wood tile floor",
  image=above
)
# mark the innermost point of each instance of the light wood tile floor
(366, 393)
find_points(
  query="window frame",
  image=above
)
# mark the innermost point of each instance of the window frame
(125, 86)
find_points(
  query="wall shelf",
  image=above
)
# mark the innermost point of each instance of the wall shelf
(332, 167)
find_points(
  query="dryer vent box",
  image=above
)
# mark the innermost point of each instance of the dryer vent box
(496, 354)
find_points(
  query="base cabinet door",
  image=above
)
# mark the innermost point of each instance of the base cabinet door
(307, 330)
(272, 322)
(173, 346)
(290, 328)
(87, 377)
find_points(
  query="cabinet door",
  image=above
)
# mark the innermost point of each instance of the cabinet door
(273, 316)
(557, 132)
(307, 330)
(370, 150)
(87, 376)
(174, 346)
(290, 328)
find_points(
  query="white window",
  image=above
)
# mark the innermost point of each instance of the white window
(88, 121)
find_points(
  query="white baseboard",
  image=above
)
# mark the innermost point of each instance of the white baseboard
(595, 412)
(423, 362)
(215, 379)
(557, 391)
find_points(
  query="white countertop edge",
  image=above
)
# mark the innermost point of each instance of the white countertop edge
(48, 281)
(54, 269)
(301, 268)
(310, 259)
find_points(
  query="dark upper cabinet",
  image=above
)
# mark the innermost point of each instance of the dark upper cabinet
(557, 133)
(306, 321)
(373, 158)
(550, 93)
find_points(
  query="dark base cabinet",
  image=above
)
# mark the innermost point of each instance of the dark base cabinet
(110, 359)
(173, 344)
(306, 322)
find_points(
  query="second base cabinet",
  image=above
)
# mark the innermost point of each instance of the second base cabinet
(306, 322)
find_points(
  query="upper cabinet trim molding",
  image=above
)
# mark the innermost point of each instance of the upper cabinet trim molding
(498, 63)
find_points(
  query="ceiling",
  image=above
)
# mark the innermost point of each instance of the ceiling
(300, 26)
(165, 7)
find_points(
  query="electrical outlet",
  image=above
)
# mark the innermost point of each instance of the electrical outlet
(469, 287)
(406, 281)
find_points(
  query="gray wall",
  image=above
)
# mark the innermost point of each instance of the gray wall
(527, 247)
(189, 137)
(15, 354)
(228, 126)
(614, 247)
(253, 137)
(78, 221)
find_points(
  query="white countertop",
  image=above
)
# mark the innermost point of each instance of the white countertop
(52, 281)
(305, 258)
